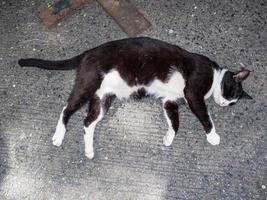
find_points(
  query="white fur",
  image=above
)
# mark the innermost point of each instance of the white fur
(60, 130)
(168, 138)
(212, 137)
(89, 136)
(113, 83)
(216, 89)
(171, 90)
(215, 83)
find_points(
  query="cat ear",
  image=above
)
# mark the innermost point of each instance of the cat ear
(241, 75)
(246, 96)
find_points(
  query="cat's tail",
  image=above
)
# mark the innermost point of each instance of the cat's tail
(68, 64)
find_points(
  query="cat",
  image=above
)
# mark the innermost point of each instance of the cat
(137, 67)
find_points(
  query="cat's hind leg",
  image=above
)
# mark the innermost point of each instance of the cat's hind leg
(97, 108)
(60, 130)
(81, 93)
(170, 109)
(76, 100)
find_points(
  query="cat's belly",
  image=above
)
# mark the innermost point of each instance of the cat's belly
(171, 90)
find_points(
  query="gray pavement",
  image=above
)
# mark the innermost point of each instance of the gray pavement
(130, 161)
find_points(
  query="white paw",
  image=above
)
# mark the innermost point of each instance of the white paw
(213, 138)
(58, 137)
(57, 140)
(90, 155)
(168, 138)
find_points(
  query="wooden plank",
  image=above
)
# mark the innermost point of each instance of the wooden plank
(126, 15)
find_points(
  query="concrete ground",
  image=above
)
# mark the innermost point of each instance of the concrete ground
(130, 161)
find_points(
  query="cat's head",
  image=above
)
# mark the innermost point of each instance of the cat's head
(230, 90)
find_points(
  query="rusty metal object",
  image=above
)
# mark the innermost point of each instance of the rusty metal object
(55, 12)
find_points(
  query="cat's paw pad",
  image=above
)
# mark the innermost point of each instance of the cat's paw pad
(89, 155)
(168, 138)
(213, 138)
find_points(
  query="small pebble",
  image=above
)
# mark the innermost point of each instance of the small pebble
(171, 31)
(263, 187)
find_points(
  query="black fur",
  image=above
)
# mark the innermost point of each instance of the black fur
(94, 111)
(72, 63)
(231, 89)
(171, 109)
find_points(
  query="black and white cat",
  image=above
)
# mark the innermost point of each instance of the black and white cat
(137, 67)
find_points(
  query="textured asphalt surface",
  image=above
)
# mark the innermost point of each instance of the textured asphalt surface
(130, 161)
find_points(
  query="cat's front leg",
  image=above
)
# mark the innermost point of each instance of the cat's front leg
(199, 108)
(97, 108)
(170, 109)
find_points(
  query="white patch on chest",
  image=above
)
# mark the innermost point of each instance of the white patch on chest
(215, 83)
(171, 90)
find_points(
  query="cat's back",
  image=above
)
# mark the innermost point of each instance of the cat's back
(138, 45)
(131, 54)
(147, 58)
(146, 45)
